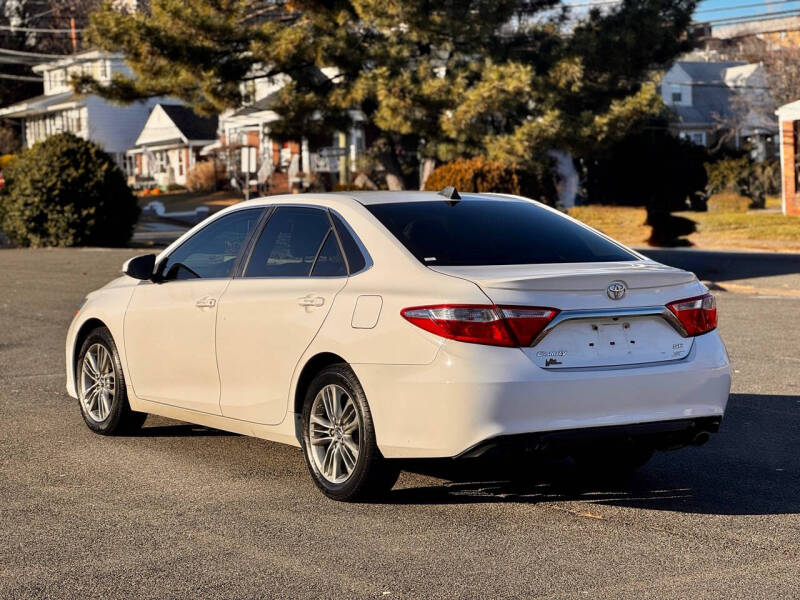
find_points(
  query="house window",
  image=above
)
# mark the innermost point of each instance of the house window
(696, 137)
(181, 161)
(248, 92)
(677, 97)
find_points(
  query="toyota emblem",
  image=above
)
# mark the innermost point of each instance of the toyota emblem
(616, 290)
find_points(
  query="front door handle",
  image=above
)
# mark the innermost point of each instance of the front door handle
(309, 301)
(206, 302)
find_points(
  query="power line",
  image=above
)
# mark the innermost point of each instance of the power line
(743, 6)
(20, 77)
(43, 29)
(754, 17)
(591, 3)
(22, 53)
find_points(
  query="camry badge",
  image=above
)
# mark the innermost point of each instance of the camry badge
(615, 290)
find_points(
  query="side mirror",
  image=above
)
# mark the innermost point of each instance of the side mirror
(140, 267)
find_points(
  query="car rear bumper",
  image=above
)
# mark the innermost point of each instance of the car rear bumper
(660, 435)
(472, 394)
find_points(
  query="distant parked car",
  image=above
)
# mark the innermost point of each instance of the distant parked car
(370, 327)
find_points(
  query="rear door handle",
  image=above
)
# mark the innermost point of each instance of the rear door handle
(311, 301)
(206, 302)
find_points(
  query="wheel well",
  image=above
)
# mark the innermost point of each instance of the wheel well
(315, 364)
(89, 326)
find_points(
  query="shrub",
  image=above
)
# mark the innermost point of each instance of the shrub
(5, 160)
(204, 177)
(728, 202)
(743, 177)
(475, 175)
(66, 191)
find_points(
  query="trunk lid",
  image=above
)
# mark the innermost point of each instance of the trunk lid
(593, 329)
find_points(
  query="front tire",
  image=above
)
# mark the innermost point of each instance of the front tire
(102, 396)
(339, 439)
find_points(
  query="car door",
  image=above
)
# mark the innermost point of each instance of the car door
(269, 315)
(169, 326)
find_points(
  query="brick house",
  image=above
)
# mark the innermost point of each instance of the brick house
(281, 166)
(789, 118)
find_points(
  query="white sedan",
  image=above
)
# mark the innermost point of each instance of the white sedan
(371, 327)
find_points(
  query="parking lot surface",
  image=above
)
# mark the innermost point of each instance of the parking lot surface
(184, 512)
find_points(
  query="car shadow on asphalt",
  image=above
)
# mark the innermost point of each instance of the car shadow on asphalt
(724, 266)
(751, 467)
(179, 430)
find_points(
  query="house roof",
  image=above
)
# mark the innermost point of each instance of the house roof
(712, 90)
(191, 125)
(789, 112)
(265, 103)
(39, 104)
(708, 72)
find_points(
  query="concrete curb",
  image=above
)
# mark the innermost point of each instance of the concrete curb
(741, 288)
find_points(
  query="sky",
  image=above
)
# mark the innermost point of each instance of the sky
(714, 10)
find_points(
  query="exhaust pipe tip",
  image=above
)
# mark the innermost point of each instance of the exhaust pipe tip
(701, 438)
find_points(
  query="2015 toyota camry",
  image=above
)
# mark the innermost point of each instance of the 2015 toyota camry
(368, 327)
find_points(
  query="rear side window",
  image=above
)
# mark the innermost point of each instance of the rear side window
(492, 232)
(330, 262)
(355, 259)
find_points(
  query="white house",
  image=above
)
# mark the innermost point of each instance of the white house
(712, 99)
(169, 144)
(61, 109)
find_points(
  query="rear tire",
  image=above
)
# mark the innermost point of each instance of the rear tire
(339, 439)
(100, 384)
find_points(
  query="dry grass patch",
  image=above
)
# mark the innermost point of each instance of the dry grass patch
(625, 224)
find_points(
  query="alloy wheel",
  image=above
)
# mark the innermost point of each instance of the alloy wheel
(334, 433)
(97, 382)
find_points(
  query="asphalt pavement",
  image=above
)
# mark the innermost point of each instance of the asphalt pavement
(185, 512)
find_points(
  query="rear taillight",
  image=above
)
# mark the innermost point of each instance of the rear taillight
(697, 315)
(482, 324)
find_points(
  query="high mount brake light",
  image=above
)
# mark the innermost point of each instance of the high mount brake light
(509, 326)
(698, 315)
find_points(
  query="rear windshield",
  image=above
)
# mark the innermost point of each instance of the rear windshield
(492, 232)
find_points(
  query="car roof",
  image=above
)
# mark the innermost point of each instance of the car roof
(367, 198)
(383, 197)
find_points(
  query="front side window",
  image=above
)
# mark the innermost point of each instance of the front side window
(212, 251)
(295, 241)
(477, 231)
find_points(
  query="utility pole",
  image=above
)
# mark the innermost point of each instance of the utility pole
(344, 160)
(73, 35)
